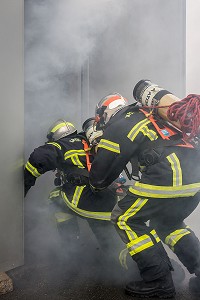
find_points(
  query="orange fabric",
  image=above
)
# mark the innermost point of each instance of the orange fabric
(159, 130)
(107, 102)
(87, 149)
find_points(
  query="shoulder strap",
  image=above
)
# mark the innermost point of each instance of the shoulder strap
(87, 149)
(170, 135)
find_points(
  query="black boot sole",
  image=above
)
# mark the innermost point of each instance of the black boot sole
(158, 294)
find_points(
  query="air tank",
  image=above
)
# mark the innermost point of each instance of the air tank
(150, 94)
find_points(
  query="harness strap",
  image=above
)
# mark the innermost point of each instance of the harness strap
(170, 136)
(87, 149)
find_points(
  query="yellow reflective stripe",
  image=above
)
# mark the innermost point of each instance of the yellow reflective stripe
(70, 153)
(122, 258)
(74, 156)
(108, 145)
(140, 244)
(76, 161)
(77, 194)
(62, 217)
(55, 144)
(137, 205)
(136, 129)
(58, 127)
(176, 169)
(156, 237)
(151, 134)
(105, 216)
(54, 194)
(19, 163)
(146, 190)
(175, 236)
(32, 169)
(61, 125)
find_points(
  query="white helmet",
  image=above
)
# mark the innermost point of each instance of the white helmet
(60, 129)
(108, 106)
(92, 134)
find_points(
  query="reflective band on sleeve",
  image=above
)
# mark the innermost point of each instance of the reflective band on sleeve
(106, 216)
(175, 236)
(155, 191)
(140, 244)
(32, 169)
(108, 145)
(176, 169)
(55, 144)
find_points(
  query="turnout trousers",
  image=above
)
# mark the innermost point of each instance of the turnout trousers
(70, 202)
(143, 222)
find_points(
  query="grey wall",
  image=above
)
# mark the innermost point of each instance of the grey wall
(12, 133)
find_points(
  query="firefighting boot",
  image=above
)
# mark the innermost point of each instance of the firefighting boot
(194, 285)
(162, 288)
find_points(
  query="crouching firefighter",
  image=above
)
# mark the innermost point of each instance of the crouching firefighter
(166, 193)
(68, 152)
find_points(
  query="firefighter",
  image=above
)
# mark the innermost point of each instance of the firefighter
(165, 194)
(68, 153)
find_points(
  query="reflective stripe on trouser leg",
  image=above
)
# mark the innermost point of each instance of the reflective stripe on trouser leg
(143, 248)
(136, 243)
(68, 228)
(186, 246)
(175, 236)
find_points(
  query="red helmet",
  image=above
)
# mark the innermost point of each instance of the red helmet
(108, 106)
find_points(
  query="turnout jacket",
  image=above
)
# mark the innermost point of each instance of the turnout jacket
(68, 155)
(166, 171)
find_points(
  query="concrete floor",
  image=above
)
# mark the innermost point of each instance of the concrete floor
(86, 279)
(81, 272)
(37, 282)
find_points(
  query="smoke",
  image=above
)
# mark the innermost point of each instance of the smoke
(59, 38)
(122, 41)
(61, 35)
(119, 42)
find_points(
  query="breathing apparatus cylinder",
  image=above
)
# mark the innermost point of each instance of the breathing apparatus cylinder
(150, 94)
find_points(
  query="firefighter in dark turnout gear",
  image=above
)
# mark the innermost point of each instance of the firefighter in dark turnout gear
(165, 194)
(68, 152)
